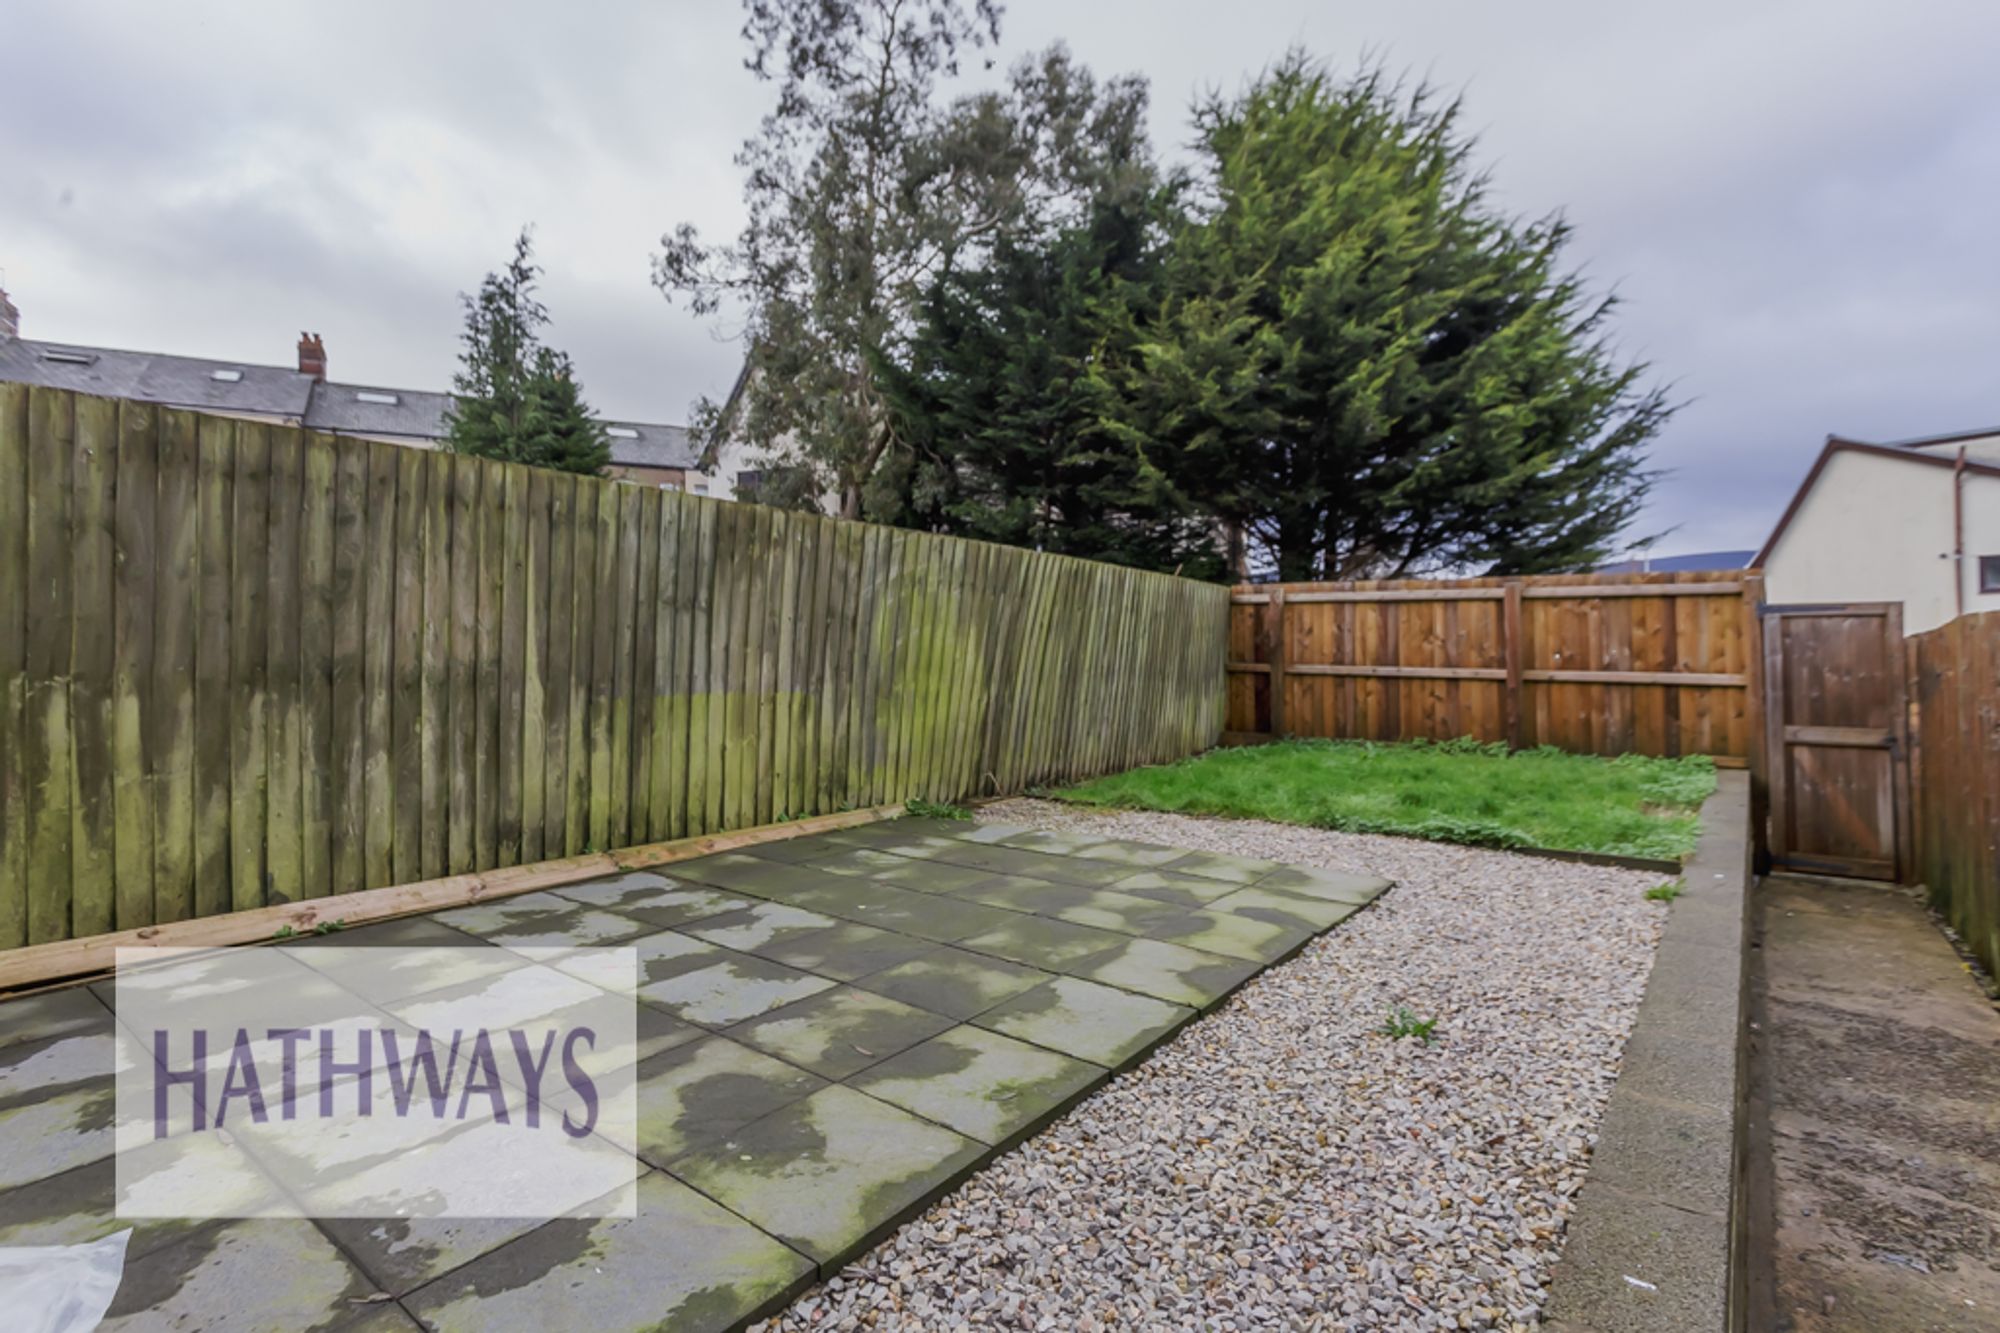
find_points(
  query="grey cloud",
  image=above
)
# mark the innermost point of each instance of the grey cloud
(1794, 198)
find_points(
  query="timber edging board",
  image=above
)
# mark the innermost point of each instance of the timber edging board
(1656, 1240)
(69, 960)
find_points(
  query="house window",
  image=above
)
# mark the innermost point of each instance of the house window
(1989, 573)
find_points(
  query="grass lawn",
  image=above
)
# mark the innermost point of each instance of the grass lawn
(1458, 791)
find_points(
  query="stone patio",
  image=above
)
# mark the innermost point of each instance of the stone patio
(834, 1030)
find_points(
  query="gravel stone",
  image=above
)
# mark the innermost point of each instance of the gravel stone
(1281, 1164)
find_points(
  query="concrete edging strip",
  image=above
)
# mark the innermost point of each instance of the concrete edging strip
(1655, 1241)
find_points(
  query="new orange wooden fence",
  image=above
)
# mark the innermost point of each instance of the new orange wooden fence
(1659, 664)
(1955, 775)
(243, 664)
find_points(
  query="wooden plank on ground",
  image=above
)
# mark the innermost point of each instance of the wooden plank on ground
(74, 958)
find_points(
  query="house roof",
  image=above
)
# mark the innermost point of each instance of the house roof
(1928, 441)
(1679, 564)
(650, 446)
(1836, 445)
(360, 409)
(155, 377)
(280, 391)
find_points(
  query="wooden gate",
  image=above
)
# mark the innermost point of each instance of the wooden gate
(1836, 721)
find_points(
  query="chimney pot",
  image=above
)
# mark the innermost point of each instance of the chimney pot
(312, 356)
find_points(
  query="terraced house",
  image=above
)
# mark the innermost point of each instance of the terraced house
(301, 395)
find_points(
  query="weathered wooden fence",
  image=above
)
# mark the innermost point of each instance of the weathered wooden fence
(1659, 664)
(242, 663)
(1955, 774)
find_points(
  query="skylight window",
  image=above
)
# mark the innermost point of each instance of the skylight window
(225, 376)
(621, 432)
(370, 396)
(69, 358)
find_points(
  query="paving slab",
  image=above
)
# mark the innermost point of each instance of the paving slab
(1331, 885)
(979, 831)
(1217, 865)
(683, 1263)
(1190, 891)
(506, 999)
(954, 982)
(749, 928)
(1228, 933)
(927, 875)
(1291, 911)
(657, 900)
(706, 1090)
(1101, 1024)
(717, 987)
(840, 1032)
(48, 1135)
(542, 921)
(1170, 972)
(831, 1172)
(999, 859)
(38, 1069)
(1101, 908)
(757, 876)
(832, 1031)
(888, 907)
(986, 1086)
(1043, 942)
(400, 1254)
(252, 1276)
(53, 1014)
(350, 959)
(834, 859)
(846, 951)
(200, 1173)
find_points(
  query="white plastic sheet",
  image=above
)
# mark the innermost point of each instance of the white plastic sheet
(61, 1288)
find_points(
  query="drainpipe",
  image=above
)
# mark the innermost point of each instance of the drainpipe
(1958, 529)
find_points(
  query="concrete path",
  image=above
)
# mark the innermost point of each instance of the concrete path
(834, 1031)
(1877, 1069)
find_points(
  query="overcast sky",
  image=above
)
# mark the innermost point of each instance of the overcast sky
(1797, 200)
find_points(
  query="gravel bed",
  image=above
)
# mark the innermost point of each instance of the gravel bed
(1281, 1164)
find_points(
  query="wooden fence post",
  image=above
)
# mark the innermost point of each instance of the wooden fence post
(1510, 638)
(1754, 719)
(1278, 654)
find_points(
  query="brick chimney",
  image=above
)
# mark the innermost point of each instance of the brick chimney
(10, 318)
(312, 356)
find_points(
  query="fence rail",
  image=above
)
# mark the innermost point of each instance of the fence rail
(1955, 775)
(1602, 664)
(242, 663)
